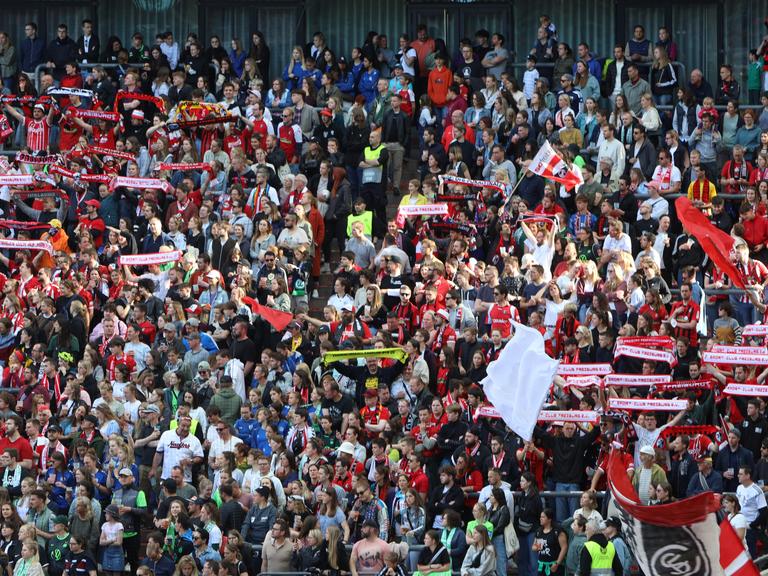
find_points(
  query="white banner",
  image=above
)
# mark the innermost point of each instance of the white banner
(589, 416)
(26, 245)
(755, 330)
(148, 259)
(636, 379)
(584, 381)
(645, 354)
(584, 369)
(736, 389)
(424, 210)
(17, 180)
(744, 357)
(657, 404)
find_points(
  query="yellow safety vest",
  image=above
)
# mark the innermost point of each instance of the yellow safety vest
(373, 175)
(602, 558)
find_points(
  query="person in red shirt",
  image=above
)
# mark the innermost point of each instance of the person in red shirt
(93, 222)
(755, 230)
(438, 82)
(374, 415)
(444, 335)
(416, 476)
(117, 358)
(13, 439)
(38, 127)
(685, 316)
(502, 313)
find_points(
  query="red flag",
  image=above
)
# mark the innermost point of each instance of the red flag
(734, 558)
(717, 244)
(549, 165)
(279, 320)
(677, 538)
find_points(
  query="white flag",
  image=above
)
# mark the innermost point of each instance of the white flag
(519, 379)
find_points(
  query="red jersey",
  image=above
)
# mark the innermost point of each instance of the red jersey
(288, 141)
(690, 313)
(104, 138)
(114, 361)
(97, 227)
(38, 133)
(22, 446)
(374, 415)
(500, 318)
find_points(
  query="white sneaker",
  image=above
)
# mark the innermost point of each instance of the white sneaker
(315, 293)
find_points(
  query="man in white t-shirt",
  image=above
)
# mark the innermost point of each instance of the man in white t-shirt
(177, 448)
(226, 442)
(754, 507)
(648, 434)
(666, 176)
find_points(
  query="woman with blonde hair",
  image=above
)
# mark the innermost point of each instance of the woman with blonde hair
(29, 563)
(373, 312)
(85, 524)
(294, 70)
(186, 567)
(250, 79)
(663, 77)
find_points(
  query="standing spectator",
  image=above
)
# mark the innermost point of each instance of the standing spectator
(61, 51)
(31, 50)
(88, 48)
(568, 458)
(495, 61)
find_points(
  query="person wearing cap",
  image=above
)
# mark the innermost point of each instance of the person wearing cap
(260, 518)
(58, 545)
(648, 475)
(38, 128)
(132, 507)
(706, 479)
(368, 552)
(599, 555)
(611, 529)
(92, 222)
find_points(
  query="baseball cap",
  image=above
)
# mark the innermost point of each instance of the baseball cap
(125, 472)
(648, 451)
(93, 202)
(371, 524)
(203, 365)
(326, 112)
(55, 223)
(62, 518)
(348, 307)
(193, 322)
(40, 107)
(138, 114)
(151, 408)
(611, 521)
(444, 313)
(324, 329)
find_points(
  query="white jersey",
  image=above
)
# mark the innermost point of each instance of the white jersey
(175, 449)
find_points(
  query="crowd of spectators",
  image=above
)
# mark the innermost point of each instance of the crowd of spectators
(163, 418)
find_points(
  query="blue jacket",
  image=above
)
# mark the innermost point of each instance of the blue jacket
(367, 85)
(32, 51)
(237, 61)
(347, 83)
(714, 481)
(244, 429)
(297, 70)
